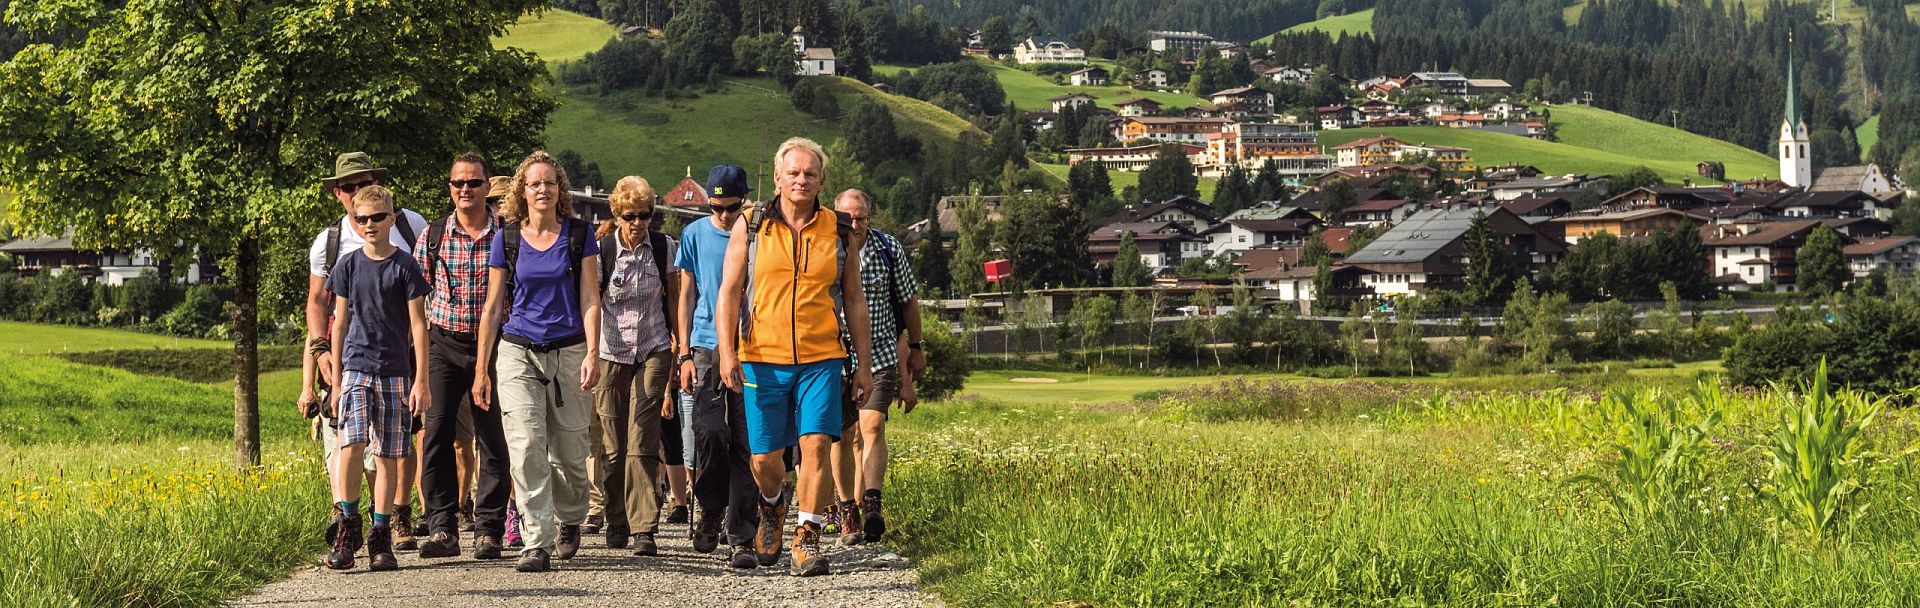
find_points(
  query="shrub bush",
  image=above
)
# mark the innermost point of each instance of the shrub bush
(62, 298)
(190, 364)
(196, 315)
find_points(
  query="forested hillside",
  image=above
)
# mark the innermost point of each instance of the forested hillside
(1238, 21)
(1711, 66)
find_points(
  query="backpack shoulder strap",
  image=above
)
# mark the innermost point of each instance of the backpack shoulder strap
(659, 242)
(577, 237)
(510, 249)
(406, 228)
(333, 247)
(610, 242)
(436, 234)
(755, 217)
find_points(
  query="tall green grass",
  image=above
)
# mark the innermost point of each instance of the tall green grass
(47, 400)
(1457, 498)
(153, 524)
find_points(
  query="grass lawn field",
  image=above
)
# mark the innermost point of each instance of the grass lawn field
(557, 35)
(1351, 24)
(631, 134)
(1121, 179)
(1031, 91)
(120, 488)
(1592, 141)
(26, 338)
(1868, 134)
(1370, 494)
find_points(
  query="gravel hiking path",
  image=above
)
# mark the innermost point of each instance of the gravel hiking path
(599, 577)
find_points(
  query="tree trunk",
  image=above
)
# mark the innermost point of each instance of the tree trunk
(246, 353)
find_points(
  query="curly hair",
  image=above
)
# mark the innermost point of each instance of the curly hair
(514, 209)
(627, 196)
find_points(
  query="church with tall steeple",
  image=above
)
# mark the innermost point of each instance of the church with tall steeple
(1796, 166)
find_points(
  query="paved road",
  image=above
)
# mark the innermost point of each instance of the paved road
(604, 578)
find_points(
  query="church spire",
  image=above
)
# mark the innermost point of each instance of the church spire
(1793, 90)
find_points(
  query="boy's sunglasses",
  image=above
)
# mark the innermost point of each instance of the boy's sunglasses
(369, 220)
(637, 217)
(726, 208)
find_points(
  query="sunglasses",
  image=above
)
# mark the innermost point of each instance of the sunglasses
(467, 183)
(637, 217)
(369, 220)
(356, 186)
(726, 208)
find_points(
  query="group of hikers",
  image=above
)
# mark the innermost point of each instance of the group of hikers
(539, 378)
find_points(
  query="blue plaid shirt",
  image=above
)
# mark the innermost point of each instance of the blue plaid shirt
(886, 277)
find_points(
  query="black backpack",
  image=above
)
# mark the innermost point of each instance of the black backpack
(577, 239)
(406, 234)
(658, 242)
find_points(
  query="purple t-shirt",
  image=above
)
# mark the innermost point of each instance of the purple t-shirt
(546, 295)
(379, 337)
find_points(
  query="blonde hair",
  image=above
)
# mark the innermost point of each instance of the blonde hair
(627, 195)
(374, 194)
(801, 143)
(514, 209)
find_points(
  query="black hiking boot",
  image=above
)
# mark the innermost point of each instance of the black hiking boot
(380, 550)
(486, 547)
(706, 533)
(644, 545)
(441, 544)
(533, 560)
(872, 523)
(346, 541)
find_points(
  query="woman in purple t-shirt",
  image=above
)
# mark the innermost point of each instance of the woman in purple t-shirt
(544, 355)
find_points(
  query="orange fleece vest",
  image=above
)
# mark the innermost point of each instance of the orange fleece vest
(794, 320)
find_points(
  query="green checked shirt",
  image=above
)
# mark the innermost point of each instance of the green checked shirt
(887, 278)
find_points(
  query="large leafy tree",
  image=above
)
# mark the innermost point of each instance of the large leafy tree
(1491, 268)
(1045, 239)
(1169, 175)
(1823, 269)
(1128, 269)
(210, 123)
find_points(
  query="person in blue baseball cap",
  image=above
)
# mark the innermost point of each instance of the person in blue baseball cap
(723, 474)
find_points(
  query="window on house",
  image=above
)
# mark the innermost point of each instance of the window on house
(1749, 271)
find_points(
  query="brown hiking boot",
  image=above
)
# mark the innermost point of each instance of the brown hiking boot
(403, 539)
(441, 544)
(766, 544)
(486, 547)
(380, 550)
(807, 560)
(346, 541)
(873, 524)
(569, 542)
(850, 531)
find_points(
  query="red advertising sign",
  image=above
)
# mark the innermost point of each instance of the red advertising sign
(998, 270)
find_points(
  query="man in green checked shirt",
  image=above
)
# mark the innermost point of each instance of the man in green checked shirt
(860, 457)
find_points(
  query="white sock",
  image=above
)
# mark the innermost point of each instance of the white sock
(772, 500)
(812, 517)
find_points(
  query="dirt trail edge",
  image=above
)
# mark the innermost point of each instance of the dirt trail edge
(599, 577)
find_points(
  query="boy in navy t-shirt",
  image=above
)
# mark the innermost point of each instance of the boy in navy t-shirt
(380, 331)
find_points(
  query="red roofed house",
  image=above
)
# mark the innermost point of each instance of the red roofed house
(1890, 254)
(688, 194)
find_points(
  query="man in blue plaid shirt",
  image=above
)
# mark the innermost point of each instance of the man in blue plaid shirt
(860, 457)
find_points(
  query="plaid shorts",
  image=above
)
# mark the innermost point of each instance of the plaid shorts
(376, 407)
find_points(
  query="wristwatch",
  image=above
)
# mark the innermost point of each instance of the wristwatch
(684, 358)
(917, 344)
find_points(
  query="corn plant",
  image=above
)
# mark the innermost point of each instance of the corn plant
(1818, 459)
(1657, 456)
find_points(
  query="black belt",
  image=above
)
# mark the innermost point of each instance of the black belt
(544, 347)
(463, 336)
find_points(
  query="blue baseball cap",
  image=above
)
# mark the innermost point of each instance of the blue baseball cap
(727, 180)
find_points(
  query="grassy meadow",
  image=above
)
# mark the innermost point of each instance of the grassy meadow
(557, 35)
(1350, 24)
(118, 489)
(1345, 493)
(1591, 141)
(1030, 91)
(1121, 179)
(1868, 134)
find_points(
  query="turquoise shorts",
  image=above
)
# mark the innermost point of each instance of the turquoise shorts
(784, 402)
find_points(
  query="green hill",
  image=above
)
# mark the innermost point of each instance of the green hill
(558, 35)
(1030, 91)
(661, 139)
(1591, 141)
(1351, 24)
(1868, 134)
